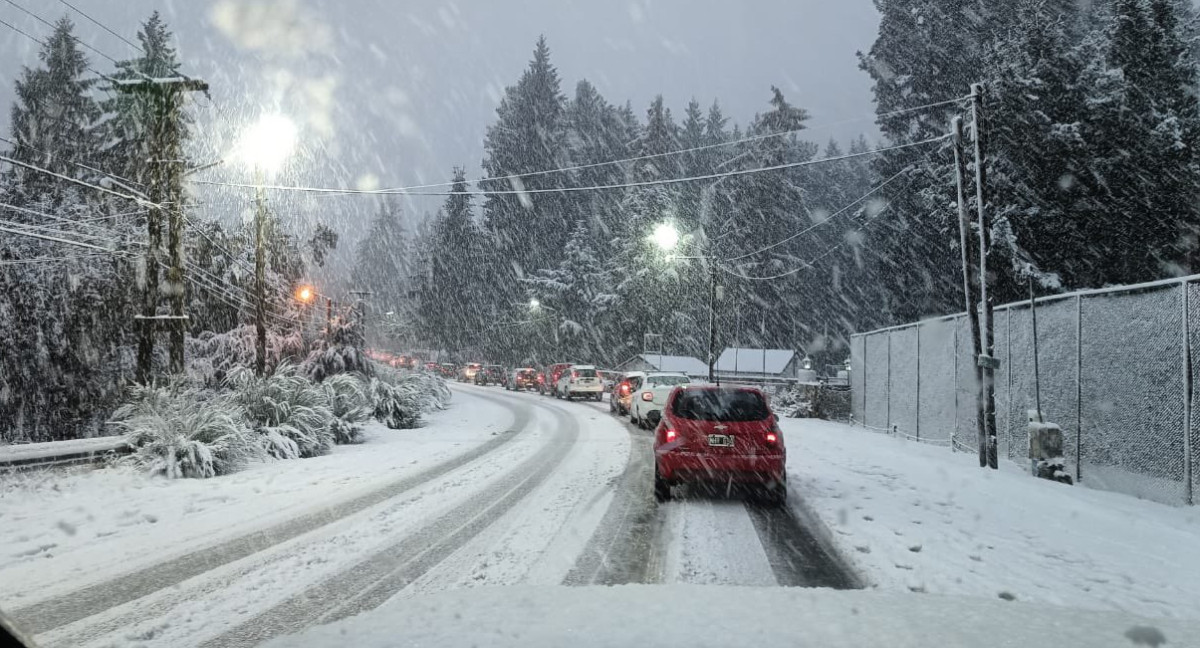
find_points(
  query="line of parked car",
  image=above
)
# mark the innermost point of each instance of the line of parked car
(706, 433)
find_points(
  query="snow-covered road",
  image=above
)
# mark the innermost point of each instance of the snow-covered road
(502, 489)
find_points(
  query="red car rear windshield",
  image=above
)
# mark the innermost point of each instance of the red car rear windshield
(721, 405)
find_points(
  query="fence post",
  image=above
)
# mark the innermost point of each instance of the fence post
(866, 406)
(888, 410)
(954, 429)
(918, 421)
(1187, 395)
(1008, 393)
(1078, 388)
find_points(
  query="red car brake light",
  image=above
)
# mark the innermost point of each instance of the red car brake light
(624, 389)
(647, 396)
(772, 437)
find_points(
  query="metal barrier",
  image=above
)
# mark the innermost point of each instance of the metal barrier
(1116, 374)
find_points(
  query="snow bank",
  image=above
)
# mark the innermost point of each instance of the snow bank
(61, 531)
(916, 518)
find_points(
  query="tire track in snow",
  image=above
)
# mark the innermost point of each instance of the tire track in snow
(99, 597)
(369, 583)
(625, 547)
(630, 545)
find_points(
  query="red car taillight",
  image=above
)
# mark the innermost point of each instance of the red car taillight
(774, 432)
(624, 389)
(647, 396)
(668, 430)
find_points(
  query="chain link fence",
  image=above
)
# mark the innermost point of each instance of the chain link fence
(1115, 370)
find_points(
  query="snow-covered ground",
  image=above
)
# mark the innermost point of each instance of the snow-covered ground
(917, 518)
(62, 530)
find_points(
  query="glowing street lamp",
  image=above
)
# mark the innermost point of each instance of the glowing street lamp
(666, 236)
(305, 294)
(265, 146)
(534, 304)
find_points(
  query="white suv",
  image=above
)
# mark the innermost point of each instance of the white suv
(652, 395)
(580, 381)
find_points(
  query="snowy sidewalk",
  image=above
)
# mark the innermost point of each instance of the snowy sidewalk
(918, 518)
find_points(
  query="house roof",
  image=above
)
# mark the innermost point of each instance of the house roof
(680, 364)
(751, 360)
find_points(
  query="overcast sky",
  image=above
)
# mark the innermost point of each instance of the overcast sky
(395, 92)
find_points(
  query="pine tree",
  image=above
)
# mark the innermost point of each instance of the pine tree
(133, 115)
(528, 137)
(54, 117)
(595, 136)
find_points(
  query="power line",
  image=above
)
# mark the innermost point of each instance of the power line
(808, 264)
(51, 25)
(49, 259)
(111, 176)
(625, 185)
(51, 230)
(744, 140)
(34, 212)
(56, 240)
(140, 201)
(103, 26)
(26, 35)
(826, 221)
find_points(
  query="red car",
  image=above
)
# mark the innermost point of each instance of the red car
(550, 384)
(719, 435)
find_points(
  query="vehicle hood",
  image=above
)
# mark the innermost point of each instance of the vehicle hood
(698, 616)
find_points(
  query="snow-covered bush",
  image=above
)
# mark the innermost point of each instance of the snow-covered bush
(340, 352)
(290, 413)
(792, 402)
(185, 431)
(399, 399)
(214, 357)
(349, 404)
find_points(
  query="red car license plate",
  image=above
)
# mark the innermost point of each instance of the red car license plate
(720, 440)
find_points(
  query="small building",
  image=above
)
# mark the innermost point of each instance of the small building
(762, 364)
(686, 365)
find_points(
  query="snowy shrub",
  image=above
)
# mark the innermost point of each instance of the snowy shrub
(792, 402)
(290, 413)
(349, 404)
(185, 431)
(400, 398)
(340, 352)
(214, 357)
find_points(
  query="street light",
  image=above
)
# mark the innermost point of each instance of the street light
(534, 304)
(666, 237)
(264, 147)
(305, 294)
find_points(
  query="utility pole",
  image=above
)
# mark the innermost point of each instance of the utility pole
(165, 188)
(260, 276)
(988, 444)
(328, 317)
(970, 279)
(712, 319)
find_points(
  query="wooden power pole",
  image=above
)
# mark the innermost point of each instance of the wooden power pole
(970, 276)
(165, 188)
(986, 359)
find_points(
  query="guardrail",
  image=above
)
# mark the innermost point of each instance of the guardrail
(49, 454)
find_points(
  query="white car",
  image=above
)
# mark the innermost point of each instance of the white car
(580, 381)
(651, 396)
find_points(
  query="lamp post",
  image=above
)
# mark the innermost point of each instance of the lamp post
(264, 147)
(666, 237)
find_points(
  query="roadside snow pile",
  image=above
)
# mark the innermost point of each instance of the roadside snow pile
(186, 432)
(919, 518)
(189, 430)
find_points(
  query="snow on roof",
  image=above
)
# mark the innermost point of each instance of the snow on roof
(678, 364)
(751, 360)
